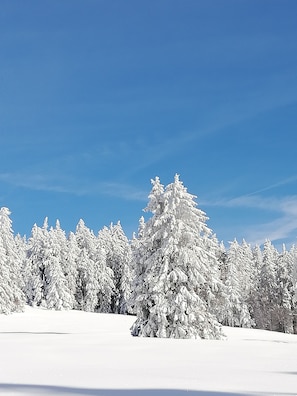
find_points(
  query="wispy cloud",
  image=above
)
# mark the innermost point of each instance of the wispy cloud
(121, 190)
(283, 182)
(282, 227)
(150, 154)
(283, 209)
(34, 181)
(69, 185)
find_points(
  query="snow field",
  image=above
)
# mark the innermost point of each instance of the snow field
(77, 353)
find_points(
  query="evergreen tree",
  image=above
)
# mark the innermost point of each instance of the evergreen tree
(56, 292)
(105, 274)
(293, 252)
(45, 282)
(136, 268)
(34, 270)
(284, 311)
(95, 280)
(248, 279)
(21, 248)
(67, 251)
(235, 312)
(11, 296)
(267, 288)
(118, 258)
(6, 285)
(70, 265)
(177, 275)
(87, 282)
(255, 298)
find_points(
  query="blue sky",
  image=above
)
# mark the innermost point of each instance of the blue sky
(97, 97)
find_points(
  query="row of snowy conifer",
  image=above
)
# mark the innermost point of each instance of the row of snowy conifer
(173, 275)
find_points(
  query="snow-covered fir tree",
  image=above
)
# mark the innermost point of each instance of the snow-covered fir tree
(56, 292)
(95, 280)
(87, 282)
(267, 288)
(6, 285)
(136, 259)
(105, 276)
(248, 275)
(177, 268)
(284, 312)
(45, 281)
(254, 300)
(33, 270)
(70, 265)
(21, 246)
(118, 258)
(293, 252)
(234, 275)
(257, 257)
(68, 251)
(11, 296)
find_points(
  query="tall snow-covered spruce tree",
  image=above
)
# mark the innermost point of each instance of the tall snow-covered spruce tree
(176, 268)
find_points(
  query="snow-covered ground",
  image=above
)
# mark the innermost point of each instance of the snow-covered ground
(77, 353)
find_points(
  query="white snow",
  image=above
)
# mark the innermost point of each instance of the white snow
(46, 352)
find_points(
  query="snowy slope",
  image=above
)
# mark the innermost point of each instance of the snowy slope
(78, 353)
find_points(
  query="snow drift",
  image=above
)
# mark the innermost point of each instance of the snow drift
(77, 353)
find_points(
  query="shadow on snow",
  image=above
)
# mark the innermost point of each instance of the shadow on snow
(61, 390)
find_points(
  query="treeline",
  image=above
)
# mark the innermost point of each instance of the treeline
(173, 275)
